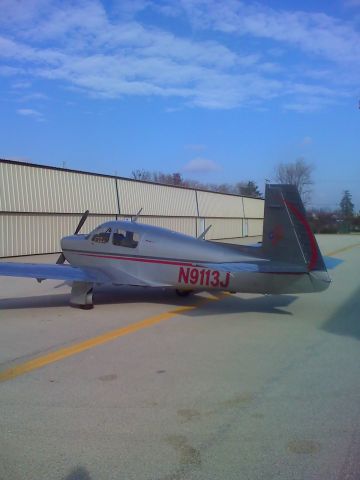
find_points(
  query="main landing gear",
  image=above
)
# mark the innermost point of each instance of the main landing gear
(82, 295)
(183, 293)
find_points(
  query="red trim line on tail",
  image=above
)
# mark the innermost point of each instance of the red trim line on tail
(314, 251)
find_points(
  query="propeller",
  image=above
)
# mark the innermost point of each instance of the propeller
(61, 258)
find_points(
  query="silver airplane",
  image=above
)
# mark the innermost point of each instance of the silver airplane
(129, 253)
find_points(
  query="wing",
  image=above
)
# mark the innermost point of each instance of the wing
(56, 272)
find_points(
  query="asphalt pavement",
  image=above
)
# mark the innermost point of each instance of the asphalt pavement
(150, 386)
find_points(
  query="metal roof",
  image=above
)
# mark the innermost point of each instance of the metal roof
(49, 167)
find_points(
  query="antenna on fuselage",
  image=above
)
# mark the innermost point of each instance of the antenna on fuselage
(137, 215)
(202, 236)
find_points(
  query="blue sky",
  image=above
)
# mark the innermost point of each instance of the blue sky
(220, 91)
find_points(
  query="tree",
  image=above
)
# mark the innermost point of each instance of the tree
(346, 206)
(143, 175)
(323, 221)
(249, 189)
(298, 173)
(177, 179)
(221, 188)
(356, 223)
(158, 177)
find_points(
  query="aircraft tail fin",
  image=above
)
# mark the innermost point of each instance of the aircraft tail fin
(287, 236)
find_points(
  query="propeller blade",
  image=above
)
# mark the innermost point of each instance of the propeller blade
(61, 259)
(82, 221)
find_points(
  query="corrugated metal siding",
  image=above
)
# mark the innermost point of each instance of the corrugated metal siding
(32, 189)
(40, 191)
(155, 199)
(255, 227)
(254, 207)
(218, 205)
(31, 234)
(223, 228)
(178, 224)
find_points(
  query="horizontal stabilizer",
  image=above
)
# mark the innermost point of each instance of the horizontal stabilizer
(260, 267)
(331, 262)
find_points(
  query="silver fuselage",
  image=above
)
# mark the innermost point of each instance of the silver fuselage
(166, 258)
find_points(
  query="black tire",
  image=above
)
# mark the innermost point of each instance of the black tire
(183, 293)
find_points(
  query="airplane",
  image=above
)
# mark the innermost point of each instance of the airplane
(130, 253)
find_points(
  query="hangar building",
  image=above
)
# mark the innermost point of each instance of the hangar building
(40, 204)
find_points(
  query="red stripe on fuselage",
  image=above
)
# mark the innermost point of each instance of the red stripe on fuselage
(172, 262)
(143, 260)
(314, 251)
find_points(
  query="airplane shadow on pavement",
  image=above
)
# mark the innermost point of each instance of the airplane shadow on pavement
(39, 301)
(137, 295)
(274, 304)
(345, 320)
(78, 473)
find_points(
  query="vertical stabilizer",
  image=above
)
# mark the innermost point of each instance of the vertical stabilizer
(287, 236)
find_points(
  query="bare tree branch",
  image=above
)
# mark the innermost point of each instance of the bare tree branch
(298, 173)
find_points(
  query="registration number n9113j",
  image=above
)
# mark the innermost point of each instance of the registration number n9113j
(203, 277)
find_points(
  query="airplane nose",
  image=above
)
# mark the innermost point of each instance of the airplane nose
(66, 242)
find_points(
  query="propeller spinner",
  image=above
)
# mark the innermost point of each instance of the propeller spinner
(61, 258)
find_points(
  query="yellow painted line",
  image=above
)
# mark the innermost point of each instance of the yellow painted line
(65, 352)
(341, 250)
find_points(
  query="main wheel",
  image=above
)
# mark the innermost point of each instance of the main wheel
(183, 293)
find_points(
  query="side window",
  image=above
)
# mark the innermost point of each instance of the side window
(125, 238)
(119, 237)
(101, 236)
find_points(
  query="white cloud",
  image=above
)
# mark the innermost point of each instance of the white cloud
(34, 96)
(29, 112)
(202, 79)
(317, 33)
(113, 56)
(352, 3)
(173, 109)
(21, 12)
(306, 141)
(302, 107)
(22, 84)
(201, 165)
(311, 103)
(9, 71)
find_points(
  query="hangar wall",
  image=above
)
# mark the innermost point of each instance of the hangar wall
(41, 204)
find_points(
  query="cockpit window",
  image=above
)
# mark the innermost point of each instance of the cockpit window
(125, 238)
(101, 235)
